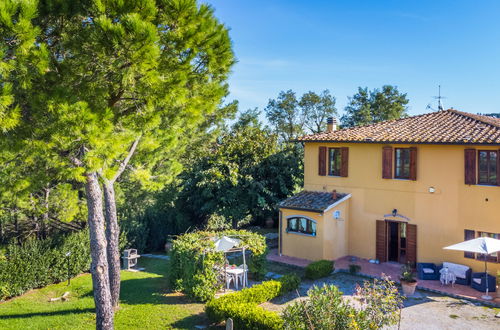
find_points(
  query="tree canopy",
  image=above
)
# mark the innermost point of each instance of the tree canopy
(368, 107)
(291, 117)
(94, 88)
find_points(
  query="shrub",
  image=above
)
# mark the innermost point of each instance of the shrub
(289, 282)
(319, 269)
(38, 263)
(243, 307)
(378, 306)
(194, 263)
(354, 269)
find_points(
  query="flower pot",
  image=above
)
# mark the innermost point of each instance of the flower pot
(408, 287)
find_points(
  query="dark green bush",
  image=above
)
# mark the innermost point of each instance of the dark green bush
(243, 307)
(194, 261)
(319, 269)
(289, 282)
(38, 263)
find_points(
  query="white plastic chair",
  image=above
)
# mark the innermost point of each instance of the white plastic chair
(229, 278)
(243, 277)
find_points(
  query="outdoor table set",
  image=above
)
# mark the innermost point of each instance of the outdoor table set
(447, 276)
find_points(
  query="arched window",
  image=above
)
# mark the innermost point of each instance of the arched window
(302, 225)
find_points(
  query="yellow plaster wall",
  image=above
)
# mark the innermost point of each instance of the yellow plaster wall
(336, 233)
(441, 217)
(302, 246)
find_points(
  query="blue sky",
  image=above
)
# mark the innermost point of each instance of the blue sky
(340, 45)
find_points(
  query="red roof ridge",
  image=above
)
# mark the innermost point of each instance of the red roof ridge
(445, 126)
(484, 119)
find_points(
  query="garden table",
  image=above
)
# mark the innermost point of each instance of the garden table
(447, 276)
(237, 273)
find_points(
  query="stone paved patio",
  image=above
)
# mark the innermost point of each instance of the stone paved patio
(393, 270)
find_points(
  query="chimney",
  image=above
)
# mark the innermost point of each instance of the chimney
(331, 124)
(334, 195)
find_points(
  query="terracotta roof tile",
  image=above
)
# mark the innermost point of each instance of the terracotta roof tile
(449, 126)
(311, 201)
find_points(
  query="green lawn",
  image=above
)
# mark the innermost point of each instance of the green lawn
(145, 304)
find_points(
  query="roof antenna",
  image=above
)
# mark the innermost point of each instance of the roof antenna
(439, 98)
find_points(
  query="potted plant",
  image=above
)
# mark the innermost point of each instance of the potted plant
(408, 281)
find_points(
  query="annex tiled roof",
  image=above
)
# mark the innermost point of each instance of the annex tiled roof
(315, 201)
(449, 127)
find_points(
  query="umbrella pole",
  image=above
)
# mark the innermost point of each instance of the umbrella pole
(487, 296)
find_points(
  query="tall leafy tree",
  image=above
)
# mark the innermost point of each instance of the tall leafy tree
(368, 107)
(98, 88)
(283, 113)
(241, 178)
(315, 109)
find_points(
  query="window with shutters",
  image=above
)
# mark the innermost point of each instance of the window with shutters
(490, 257)
(488, 163)
(301, 225)
(334, 161)
(402, 163)
(471, 234)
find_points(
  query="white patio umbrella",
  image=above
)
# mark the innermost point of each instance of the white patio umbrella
(226, 243)
(483, 245)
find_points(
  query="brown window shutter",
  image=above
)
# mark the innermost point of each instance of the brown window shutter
(381, 243)
(470, 166)
(411, 244)
(387, 162)
(498, 180)
(469, 234)
(322, 161)
(413, 163)
(344, 162)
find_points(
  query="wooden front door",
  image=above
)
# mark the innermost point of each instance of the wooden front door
(396, 241)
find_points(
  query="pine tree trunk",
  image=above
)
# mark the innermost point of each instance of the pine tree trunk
(99, 265)
(113, 238)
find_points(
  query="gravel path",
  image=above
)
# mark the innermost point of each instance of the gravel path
(424, 311)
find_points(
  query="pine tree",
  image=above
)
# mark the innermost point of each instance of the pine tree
(98, 88)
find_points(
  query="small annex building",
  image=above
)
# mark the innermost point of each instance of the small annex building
(315, 214)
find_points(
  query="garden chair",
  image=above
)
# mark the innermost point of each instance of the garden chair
(479, 282)
(427, 271)
(243, 277)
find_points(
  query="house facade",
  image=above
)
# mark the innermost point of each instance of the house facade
(398, 191)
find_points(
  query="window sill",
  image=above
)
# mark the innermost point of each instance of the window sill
(301, 234)
(484, 185)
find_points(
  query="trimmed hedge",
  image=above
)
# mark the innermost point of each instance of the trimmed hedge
(193, 261)
(319, 269)
(38, 263)
(243, 307)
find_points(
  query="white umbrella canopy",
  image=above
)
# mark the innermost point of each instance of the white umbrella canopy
(484, 245)
(226, 243)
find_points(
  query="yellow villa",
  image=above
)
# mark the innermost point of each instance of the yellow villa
(398, 191)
